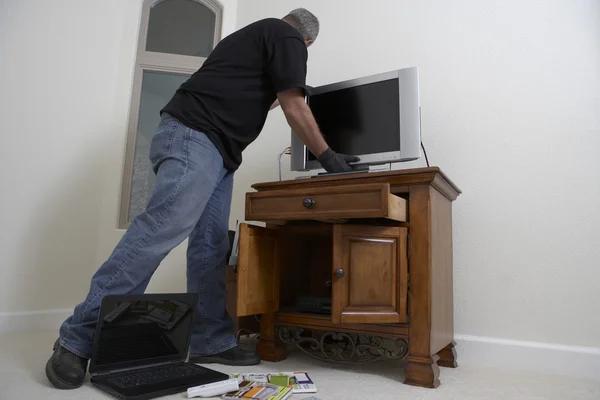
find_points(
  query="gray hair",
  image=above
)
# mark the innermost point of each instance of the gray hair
(305, 21)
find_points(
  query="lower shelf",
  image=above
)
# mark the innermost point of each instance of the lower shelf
(323, 323)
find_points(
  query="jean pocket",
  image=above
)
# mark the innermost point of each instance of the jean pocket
(162, 141)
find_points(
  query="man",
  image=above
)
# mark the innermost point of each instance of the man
(197, 147)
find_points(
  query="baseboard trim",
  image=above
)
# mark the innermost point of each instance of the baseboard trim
(573, 361)
(33, 321)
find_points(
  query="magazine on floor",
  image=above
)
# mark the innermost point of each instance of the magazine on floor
(298, 382)
(251, 390)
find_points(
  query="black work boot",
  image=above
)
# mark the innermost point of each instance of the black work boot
(64, 369)
(233, 356)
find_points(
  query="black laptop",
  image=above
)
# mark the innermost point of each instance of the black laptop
(141, 345)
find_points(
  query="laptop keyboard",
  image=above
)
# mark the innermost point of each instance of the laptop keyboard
(155, 375)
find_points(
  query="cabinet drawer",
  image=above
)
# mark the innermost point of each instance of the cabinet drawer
(326, 203)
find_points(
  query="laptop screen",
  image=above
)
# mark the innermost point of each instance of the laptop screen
(136, 330)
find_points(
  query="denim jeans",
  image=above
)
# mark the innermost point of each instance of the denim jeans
(191, 198)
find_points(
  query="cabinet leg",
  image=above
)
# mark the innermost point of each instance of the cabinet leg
(269, 347)
(448, 356)
(422, 371)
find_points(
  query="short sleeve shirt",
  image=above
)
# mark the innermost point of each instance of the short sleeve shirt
(229, 97)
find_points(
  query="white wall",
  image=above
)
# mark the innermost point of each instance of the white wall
(66, 73)
(510, 92)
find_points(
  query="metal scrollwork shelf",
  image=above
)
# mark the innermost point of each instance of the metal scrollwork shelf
(341, 347)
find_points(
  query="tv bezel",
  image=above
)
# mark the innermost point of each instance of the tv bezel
(410, 124)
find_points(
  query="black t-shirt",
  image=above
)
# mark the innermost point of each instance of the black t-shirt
(229, 97)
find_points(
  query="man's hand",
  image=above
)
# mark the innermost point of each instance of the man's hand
(336, 162)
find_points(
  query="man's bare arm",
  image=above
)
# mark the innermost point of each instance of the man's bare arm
(301, 120)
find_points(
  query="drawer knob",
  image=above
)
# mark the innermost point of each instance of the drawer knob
(308, 202)
(339, 273)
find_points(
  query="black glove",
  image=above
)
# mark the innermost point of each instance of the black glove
(336, 162)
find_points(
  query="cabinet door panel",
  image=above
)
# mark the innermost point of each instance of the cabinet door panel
(369, 275)
(258, 271)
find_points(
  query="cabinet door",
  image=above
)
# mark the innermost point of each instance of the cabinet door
(258, 271)
(369, 274)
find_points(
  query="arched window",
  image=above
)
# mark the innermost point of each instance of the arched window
(175, 38)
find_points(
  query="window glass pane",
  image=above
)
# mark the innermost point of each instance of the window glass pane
(157, 90)
(183, 27)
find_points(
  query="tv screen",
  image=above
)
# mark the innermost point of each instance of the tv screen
(359, 120)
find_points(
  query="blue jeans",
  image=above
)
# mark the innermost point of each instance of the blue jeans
(191, 198)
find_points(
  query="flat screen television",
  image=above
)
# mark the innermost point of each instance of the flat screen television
(376, 118)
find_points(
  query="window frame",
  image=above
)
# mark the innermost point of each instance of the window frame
(155, 62)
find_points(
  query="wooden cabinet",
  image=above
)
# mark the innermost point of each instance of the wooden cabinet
(369, 276)
(379, 244)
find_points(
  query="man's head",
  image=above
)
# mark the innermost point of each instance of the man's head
(306, 23)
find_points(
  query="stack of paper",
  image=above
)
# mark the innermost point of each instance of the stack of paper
(251, 390)
(298, 381)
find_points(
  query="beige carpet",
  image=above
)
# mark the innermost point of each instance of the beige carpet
(22, 360)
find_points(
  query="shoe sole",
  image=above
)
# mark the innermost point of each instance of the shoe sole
(54, 379)
(217, 360)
